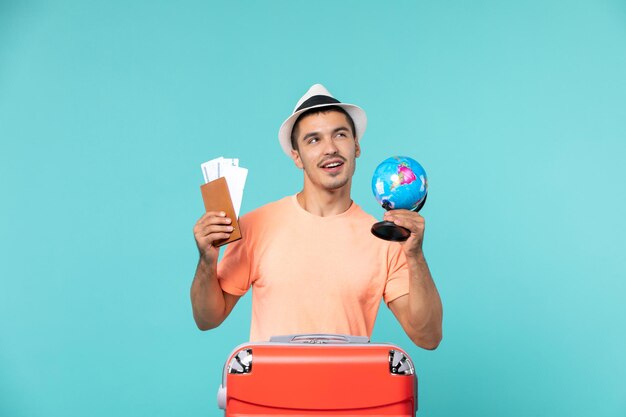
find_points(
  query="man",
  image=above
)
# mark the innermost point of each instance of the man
(314, 265)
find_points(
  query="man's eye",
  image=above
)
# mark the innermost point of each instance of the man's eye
(313, 140)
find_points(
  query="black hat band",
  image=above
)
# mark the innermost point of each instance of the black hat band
(317, 100)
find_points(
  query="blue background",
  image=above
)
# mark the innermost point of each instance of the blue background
(517, 111)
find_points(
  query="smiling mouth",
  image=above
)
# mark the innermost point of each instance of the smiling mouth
(332, 165)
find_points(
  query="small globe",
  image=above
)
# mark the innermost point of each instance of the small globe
(400, 182)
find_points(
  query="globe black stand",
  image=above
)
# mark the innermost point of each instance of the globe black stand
(389, 231)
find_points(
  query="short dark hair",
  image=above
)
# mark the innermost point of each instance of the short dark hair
(316, 110)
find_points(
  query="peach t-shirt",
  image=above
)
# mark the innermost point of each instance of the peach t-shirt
(312, 274)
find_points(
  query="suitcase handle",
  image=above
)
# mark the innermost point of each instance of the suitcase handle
(320, 339)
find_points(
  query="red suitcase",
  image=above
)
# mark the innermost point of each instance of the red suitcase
(329, 375)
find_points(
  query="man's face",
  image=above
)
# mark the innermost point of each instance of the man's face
(327, 150)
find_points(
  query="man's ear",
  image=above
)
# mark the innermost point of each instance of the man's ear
(358, 147)
(295, 155)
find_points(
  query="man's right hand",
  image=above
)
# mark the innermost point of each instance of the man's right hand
(213, 226)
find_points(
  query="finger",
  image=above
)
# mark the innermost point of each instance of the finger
(207, 220)
(206, 227)
(215, 237)
(405, 214)
(211, 229)
(413, 226)
(403, 223)
(219, 220)
(211, 214)
(209, 239)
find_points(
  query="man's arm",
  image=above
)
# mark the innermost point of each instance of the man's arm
(420, 312)
(211, 305)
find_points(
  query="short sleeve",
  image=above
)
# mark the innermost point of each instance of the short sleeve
(233, 271)
(397, 283)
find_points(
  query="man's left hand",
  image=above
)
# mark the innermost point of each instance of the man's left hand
(412, 221)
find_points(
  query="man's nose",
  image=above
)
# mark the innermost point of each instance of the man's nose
(330, 147)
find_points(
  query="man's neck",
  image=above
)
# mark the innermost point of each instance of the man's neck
(325, 203)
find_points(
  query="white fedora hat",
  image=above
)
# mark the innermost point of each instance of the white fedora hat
(318, 96)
